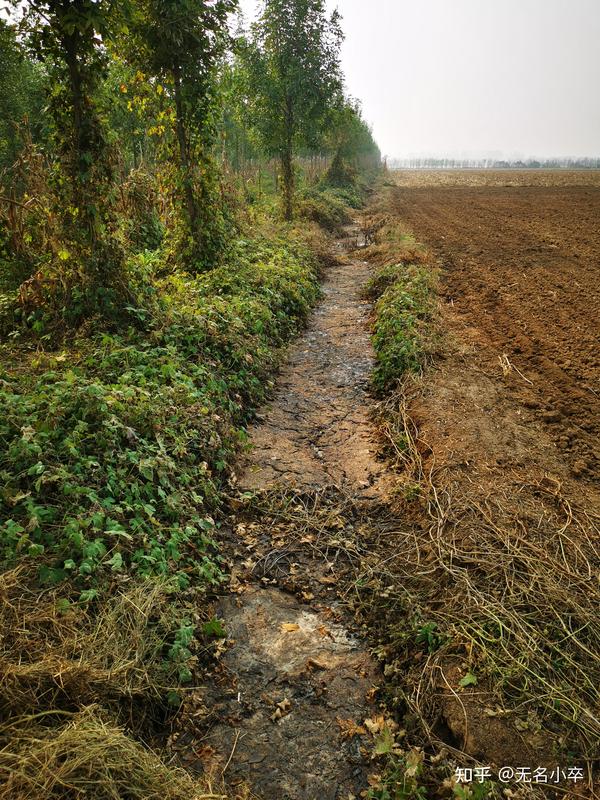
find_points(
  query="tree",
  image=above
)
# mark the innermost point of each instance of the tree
(293, 59)
(180, 42)
(21, 94)
(351, 141)
(69, 37)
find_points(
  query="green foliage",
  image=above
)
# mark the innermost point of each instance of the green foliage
(429, 636)
(351, 140)
(112, 461)
(401, 779)
(403, 313)
(70, 40)
(179, 43)
(326, 208)
(21, 94)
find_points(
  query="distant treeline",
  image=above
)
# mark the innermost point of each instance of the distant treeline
(490, 163)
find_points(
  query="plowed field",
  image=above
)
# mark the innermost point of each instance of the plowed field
(520, 280)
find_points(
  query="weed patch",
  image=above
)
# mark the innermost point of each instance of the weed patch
(403, 314)
(113, 452)
(326, 208)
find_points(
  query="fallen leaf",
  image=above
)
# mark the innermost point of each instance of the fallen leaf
(289, 627)
(283, 709)
(324, 631)
(313, 663)
(349, 728)
(375, 725)
(414, 761)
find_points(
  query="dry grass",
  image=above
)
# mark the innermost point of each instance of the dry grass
(59, 655)
(387, 242)
(82, 755)
(509, 584)
(69, 678)
(510, 578)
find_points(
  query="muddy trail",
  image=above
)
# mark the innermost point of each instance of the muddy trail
(317, 430)
(295, 683)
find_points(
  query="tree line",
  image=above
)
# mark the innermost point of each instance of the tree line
(433, 162)
(125, 126)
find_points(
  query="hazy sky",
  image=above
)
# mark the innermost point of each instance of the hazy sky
(475, 76)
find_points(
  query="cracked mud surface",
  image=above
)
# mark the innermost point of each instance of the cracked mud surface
(292, 675)
(317, 431)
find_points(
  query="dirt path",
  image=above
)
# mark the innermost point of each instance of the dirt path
(294, 676)
(317, 431)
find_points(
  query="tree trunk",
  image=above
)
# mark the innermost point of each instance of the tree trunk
(287, 163)
(79, 143)
(287, 172)
(184, 160)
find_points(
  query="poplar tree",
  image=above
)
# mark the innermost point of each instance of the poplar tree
(295, 80)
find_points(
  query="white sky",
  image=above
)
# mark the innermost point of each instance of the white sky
(475, 77)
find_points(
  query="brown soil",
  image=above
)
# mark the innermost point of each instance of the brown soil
(519, 287)
(508, 420)
(500, 177)
(317, 429)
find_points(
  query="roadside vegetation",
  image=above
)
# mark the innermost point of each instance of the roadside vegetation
(160, 242)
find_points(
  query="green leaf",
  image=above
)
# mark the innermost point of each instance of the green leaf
(52, 576)
(174, 699)
(116, 562)
(214, 627)
(384, 742)
(469, 680)
(87, 595)
(185, 675)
